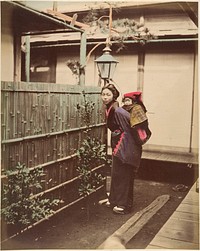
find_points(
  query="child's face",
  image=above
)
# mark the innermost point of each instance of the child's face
(128, 101)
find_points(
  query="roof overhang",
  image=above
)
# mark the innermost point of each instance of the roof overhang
(191, 10)
(28, 21)
(189, 7)
(187, 33)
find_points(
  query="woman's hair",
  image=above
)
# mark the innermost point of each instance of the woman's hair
(113, 89)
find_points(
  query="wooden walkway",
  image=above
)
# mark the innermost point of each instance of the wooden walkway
(181, 231)
(187, 158)
(176, 157)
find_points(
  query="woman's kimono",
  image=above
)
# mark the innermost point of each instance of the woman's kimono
(126, 156)
(122, 142)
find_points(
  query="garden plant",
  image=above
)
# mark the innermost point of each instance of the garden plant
(20, 204)
(91, 155)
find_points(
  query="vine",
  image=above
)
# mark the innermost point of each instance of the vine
(92, 153)
(118, 31)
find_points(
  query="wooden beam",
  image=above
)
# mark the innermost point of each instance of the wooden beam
(82, 59)
(141, 62)
(73, 19)
(67, 19)
(27, 59)
(186, 7)
(55, 6)
(138, 220)
(17, 58)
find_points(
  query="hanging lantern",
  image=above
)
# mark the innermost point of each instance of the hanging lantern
(106, 64)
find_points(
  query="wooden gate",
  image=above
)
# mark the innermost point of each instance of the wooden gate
(41, 128)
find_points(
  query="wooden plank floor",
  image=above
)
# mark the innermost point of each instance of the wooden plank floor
(171, 157)
(188, 158)
(181, 231)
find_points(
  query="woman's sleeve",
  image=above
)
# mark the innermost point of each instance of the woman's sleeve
(122, 118)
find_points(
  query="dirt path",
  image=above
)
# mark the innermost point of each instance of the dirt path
(71, 230)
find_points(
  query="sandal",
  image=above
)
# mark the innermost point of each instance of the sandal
(119, 210)
(107, 204)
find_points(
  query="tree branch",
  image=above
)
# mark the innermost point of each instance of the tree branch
(102, 17)
(90, 52)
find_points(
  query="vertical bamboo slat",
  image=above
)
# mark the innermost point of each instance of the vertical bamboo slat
(35, 109)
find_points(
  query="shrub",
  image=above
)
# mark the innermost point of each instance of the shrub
(91, 154)
(19, 205)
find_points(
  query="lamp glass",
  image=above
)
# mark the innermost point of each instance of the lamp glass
(106, 69)
(106, 65)
(112, 69)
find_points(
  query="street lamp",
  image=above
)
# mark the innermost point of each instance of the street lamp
(106, 64)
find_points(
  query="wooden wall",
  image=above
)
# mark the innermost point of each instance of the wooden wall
(41, 127)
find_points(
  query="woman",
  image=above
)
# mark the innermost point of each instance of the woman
(126, 154)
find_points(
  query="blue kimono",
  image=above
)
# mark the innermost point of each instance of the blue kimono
(126, 157)
(122, 142)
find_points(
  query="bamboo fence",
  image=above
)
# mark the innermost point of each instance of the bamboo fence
(40, 127)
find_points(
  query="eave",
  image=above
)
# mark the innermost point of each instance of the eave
(27, 20)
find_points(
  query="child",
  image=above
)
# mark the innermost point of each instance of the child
(138, 118)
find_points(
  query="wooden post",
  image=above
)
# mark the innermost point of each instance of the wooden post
(195, 81)
(141, 61)
(82, 59)
(17, 59)
(27, 60)
(55, 6)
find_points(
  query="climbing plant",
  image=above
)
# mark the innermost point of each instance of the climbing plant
(74, 66)
(91, 153)
(116, 31)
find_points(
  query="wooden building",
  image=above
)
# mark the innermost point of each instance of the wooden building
(164, 69)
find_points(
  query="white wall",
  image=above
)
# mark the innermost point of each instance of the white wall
(126, 73)
(91, 73)
(63, 73)
(167, 93)
(168, 87)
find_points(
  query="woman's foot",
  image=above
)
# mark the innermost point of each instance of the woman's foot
(108, 204)
(121, 210)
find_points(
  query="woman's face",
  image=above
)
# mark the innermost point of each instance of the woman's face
(107, 96)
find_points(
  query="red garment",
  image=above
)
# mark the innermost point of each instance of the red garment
(134, 95)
